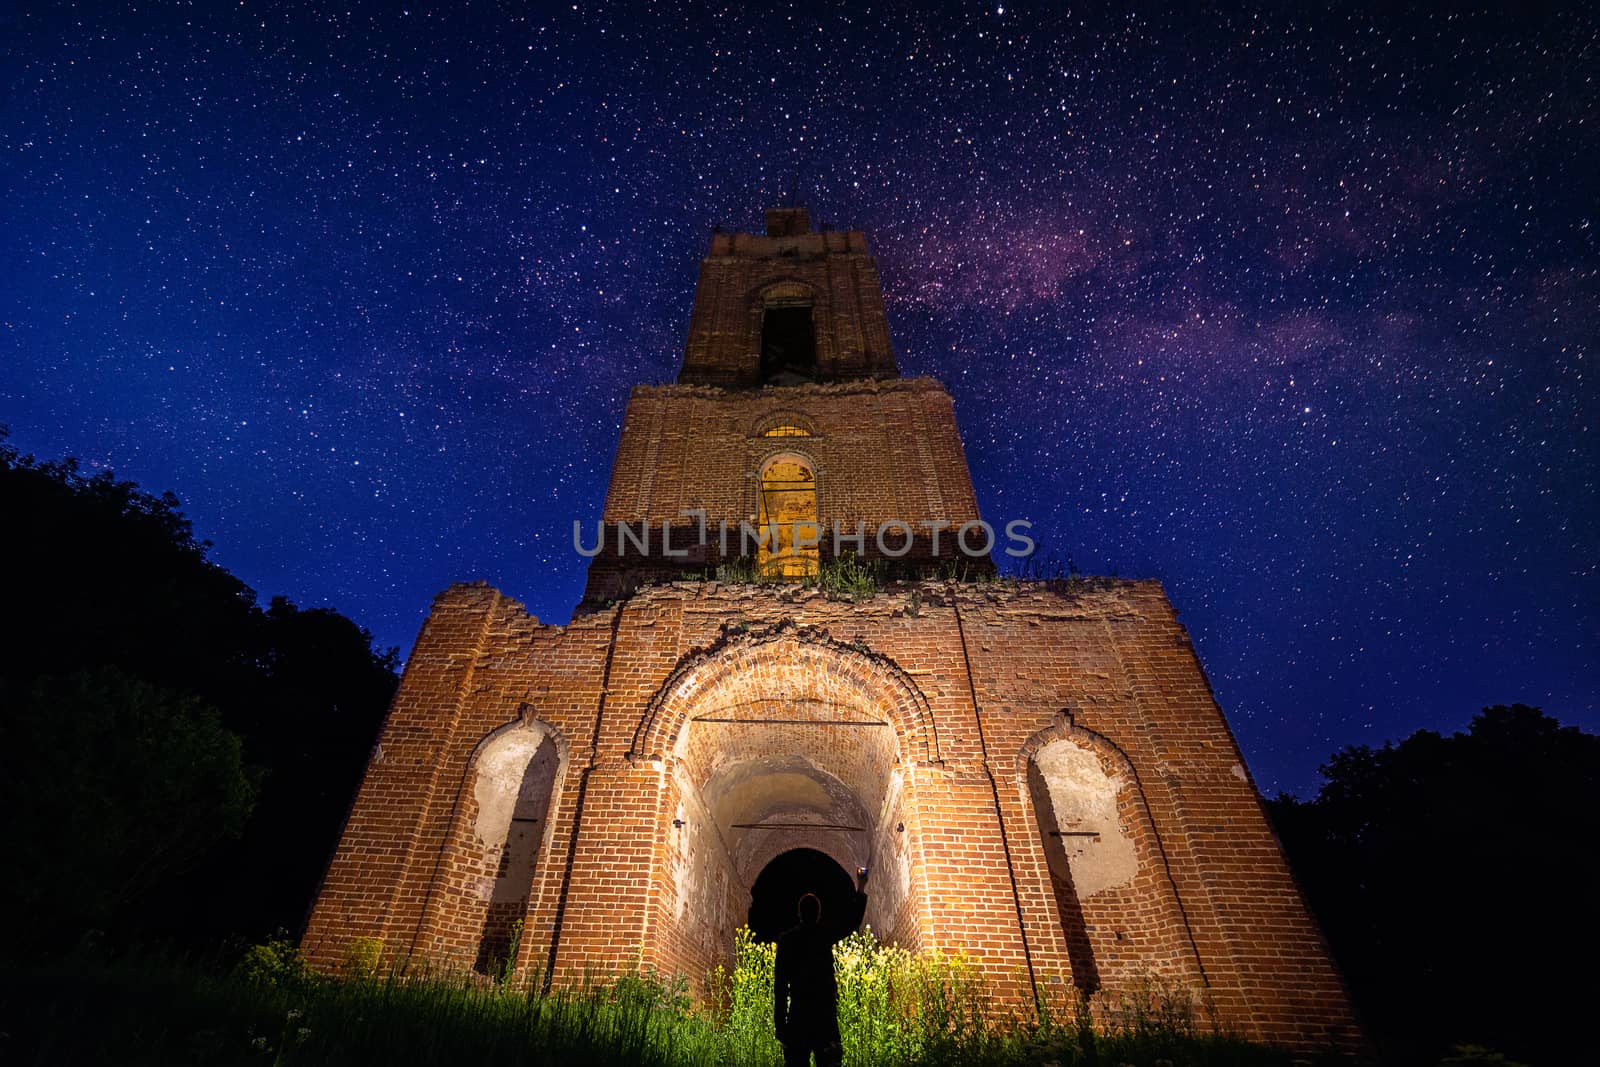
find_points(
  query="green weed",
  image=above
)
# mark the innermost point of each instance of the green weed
(896, 1007)
(848, 578)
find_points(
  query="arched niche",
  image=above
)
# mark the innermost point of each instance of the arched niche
(512, 781)
(1115, 904)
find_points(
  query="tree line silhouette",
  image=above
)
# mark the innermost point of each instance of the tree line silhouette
(1455, 879)
(180, 758)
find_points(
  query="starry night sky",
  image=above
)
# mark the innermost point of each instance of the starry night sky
(1297, 316)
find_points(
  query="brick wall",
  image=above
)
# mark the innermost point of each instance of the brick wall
(973, 684)
(831, 271)
(881, 450)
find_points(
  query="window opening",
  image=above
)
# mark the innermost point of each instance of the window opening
(788, 344)
(789, 501)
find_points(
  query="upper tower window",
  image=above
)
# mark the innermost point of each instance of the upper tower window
(788, 336)
(786, 430)
(790, 306)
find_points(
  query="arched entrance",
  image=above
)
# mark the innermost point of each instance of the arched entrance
(776, 742)
(776, 893)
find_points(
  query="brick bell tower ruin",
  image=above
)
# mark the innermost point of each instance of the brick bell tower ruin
(1036, 772)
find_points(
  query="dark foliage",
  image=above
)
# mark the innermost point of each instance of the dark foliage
(99, 574)
(118, 787)
(1455, 879)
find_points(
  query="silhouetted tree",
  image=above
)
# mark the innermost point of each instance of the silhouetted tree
(1455, 880)
(114, 788)
(101, 574)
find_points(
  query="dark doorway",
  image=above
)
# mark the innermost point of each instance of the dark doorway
(776, 894)
(788, 345)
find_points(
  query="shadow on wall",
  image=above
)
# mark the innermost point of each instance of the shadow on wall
(1056, 842)
(515, 777)
(1118, 909)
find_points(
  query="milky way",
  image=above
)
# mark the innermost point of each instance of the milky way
(1295, 315)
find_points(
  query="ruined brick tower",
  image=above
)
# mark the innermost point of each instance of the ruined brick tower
(1036, 772)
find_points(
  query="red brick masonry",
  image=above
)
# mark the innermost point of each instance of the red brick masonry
(1037, 773)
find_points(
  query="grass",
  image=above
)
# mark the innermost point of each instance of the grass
(842, 578)
(848, 578)
(896, 1007)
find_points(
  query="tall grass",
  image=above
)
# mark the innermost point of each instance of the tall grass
(895, 1007)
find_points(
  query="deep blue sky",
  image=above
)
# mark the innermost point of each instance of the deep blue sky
(1298, 316)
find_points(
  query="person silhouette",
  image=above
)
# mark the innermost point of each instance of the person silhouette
(805, 993)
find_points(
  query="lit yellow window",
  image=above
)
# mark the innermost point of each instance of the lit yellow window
(789, 499)
(786, 430)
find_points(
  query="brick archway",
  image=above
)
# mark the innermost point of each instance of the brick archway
(777, 740)
(802, 660)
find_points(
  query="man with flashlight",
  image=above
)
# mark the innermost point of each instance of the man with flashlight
(805, 1000)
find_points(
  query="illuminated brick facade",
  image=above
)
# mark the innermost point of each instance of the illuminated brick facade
(1036, 772)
